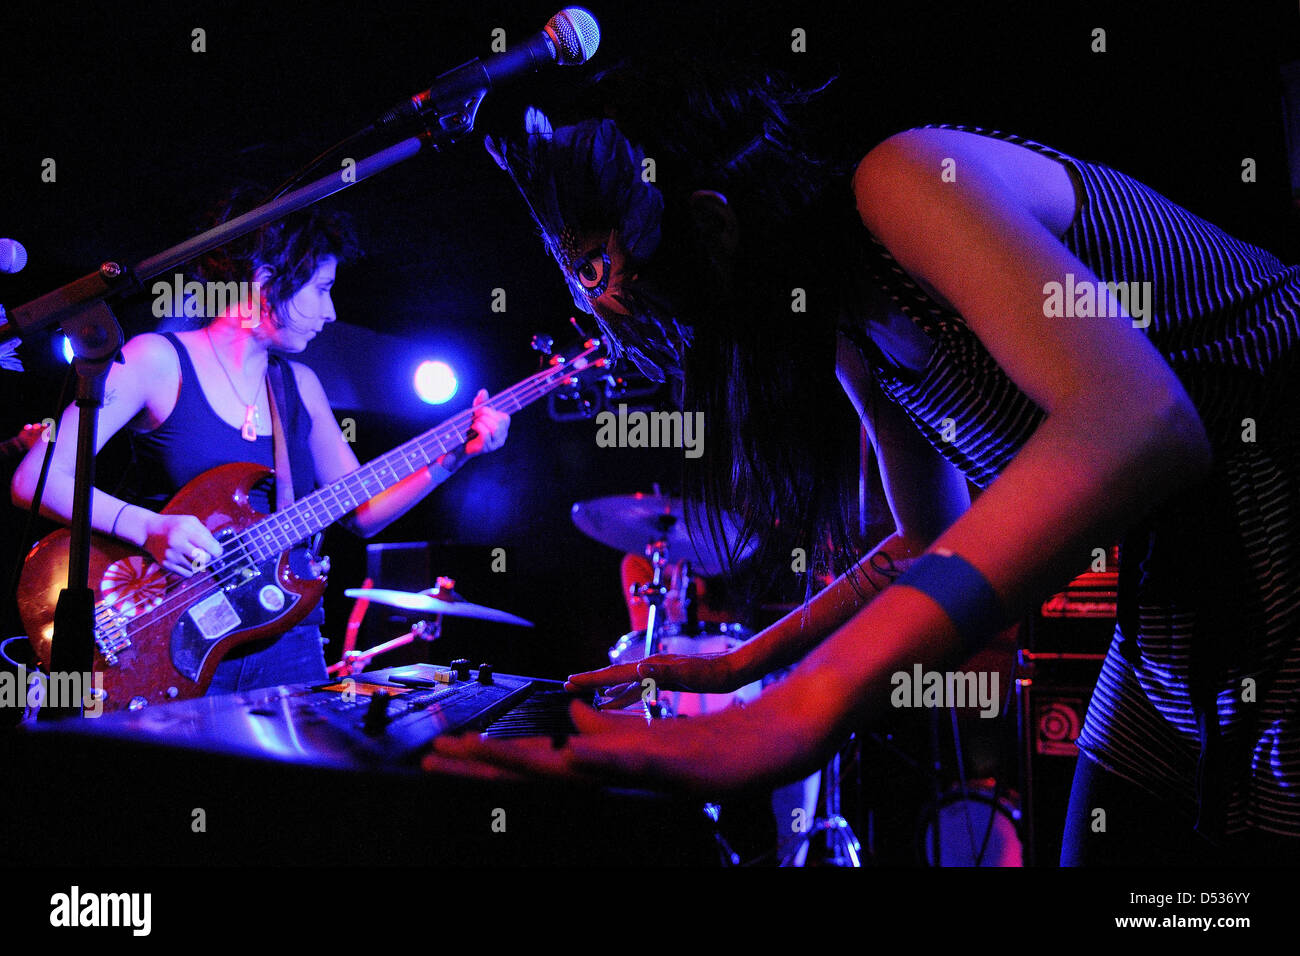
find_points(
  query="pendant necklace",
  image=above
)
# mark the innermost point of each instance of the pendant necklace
(252, 418)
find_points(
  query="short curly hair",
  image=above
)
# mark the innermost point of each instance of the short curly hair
(292, 248)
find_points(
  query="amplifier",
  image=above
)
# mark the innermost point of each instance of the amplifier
(1052, 695)
(1065, 645)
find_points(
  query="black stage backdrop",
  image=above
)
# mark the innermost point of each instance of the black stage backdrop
(146, 132)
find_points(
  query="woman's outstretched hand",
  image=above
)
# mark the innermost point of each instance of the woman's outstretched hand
(726, 752)
(623, 684)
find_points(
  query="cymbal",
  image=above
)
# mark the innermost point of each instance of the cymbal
(631, 522)
(435, 601)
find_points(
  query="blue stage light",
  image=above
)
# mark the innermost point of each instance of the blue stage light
(435, 382)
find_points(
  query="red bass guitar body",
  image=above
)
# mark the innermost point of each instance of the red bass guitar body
(159, 636)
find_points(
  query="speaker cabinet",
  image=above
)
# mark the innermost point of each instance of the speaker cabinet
(1052, 696)
(1064, 646)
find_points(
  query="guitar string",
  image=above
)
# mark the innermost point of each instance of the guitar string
(540, 381)
(183, 589)
(270, 541)
(257, 536)
(188, 591)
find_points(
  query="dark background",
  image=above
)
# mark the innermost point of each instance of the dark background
(146, 134)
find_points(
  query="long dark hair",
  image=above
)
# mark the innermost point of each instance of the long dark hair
(780, 448)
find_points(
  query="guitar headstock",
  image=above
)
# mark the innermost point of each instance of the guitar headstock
(579, 361)
(574, 377)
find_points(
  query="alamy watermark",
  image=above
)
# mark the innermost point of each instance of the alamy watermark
(1086, 299)
(651, 430)
(76, 909)
(207, 300)
(35, 689)
(919, 688)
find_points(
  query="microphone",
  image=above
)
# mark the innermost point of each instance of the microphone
(12, 256)
(569, 39)
(12, 259)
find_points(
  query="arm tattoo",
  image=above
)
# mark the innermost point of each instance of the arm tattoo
(883, 564)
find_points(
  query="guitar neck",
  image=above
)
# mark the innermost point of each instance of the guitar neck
(317, 511)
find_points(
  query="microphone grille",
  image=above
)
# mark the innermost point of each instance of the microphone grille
(12, 256)
(576, 33)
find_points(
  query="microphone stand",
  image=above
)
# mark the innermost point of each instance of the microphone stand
(82, 309)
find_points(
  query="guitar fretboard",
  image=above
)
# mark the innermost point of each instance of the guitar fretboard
(282, 530)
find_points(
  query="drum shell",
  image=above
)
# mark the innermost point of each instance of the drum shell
(977, 827)
(710, 638)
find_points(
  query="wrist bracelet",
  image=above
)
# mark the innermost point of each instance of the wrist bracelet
(112, 532)
(964, 594)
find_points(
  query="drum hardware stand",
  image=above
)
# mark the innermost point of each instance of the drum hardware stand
(429, 607)
(654, 594)
(842, 846)
(686, 587)
(729, 856)
(354, 662)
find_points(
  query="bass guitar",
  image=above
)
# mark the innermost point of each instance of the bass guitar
(159, 636)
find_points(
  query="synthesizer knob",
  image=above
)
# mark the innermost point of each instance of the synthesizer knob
(485, 673)
(461, 667)
(376, 717)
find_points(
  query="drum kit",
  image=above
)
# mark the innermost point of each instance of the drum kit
(653, 524)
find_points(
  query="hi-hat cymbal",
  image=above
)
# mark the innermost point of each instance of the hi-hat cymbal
(435, 601)
(631, 522)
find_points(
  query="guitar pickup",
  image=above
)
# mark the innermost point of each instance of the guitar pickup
(214, 616)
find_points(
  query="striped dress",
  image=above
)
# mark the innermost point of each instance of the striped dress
(1198, 696)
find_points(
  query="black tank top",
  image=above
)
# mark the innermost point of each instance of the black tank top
(194, 438)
